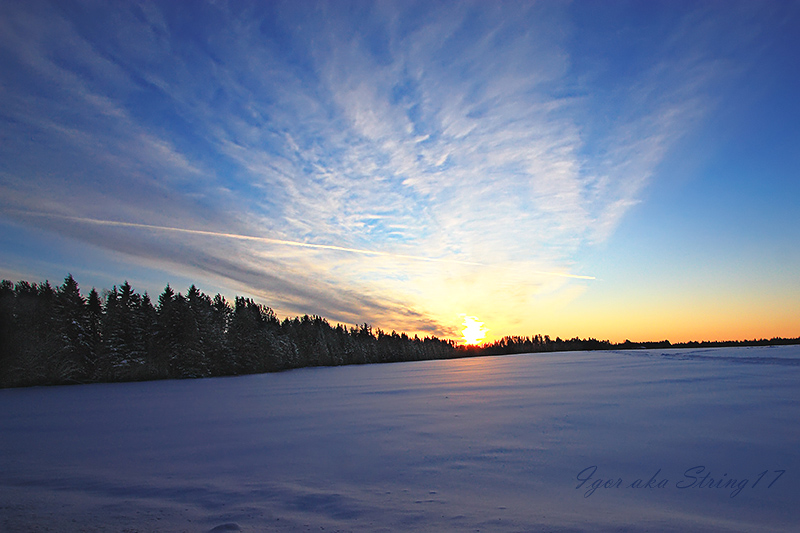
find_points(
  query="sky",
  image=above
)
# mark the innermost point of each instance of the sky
(616, 170)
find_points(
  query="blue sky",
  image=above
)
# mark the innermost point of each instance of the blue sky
(607, 169)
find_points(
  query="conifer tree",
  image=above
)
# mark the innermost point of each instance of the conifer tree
(72, 325)
(124, 338)
(50, 336)
(94, 310)
(7, 326)
(220, 361)
(181, 347)
(165, 348)
(195, 325)
(148, 318)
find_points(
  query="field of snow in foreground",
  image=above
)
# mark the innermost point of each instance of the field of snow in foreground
(658, 440)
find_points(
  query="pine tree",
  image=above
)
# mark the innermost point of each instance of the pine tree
(50, 336)
(195, 330)
(220, 361)
(124, 337)
(94, 309)
(7, 327)
(35, 341)
(165, 348)
(255, 339)
(149, 325)
(181, 343)
(72, 326)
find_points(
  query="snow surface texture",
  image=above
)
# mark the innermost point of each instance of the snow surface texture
(489, 444)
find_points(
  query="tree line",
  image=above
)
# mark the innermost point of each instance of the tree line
(54, 335)
(513, 344)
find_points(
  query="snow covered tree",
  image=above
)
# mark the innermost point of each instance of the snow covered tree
(255, 339)
(94, 328)
(124, 339)
(220, 361)
(180, 342)
(50, 336)
(7, 321)
(148, 317)
(72, 326)
(33, 339)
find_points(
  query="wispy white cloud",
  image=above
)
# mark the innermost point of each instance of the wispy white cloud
(448, 132)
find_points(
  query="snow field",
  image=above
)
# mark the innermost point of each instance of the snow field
(582, 441)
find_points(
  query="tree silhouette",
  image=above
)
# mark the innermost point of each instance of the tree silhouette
(72, 324)
(56, 336)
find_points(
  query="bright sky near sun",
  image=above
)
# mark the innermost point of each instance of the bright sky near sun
(595, 169)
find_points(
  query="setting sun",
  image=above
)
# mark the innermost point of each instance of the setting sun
(473, 332)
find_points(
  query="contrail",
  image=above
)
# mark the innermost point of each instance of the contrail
(240, 237)
(280, 242)
(562, 275)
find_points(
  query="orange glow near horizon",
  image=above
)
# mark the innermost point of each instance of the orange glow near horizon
(473, 331)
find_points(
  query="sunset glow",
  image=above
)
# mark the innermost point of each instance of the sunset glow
(473, 332)
(560, 168)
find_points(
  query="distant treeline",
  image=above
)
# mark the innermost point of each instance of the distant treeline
(54, 335)
(515, 345)
(537, 343)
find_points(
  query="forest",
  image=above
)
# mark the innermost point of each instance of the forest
(55, 335)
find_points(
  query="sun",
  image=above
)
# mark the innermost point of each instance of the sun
(473, 331)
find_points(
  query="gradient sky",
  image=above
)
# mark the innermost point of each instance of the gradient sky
(595, 169)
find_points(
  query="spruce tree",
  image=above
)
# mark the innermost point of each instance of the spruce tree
(124, 337)
(217, 351)
(72, 326)
(7, 327)
(94, 309)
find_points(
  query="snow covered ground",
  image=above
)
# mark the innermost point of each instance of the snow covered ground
(658, 440)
